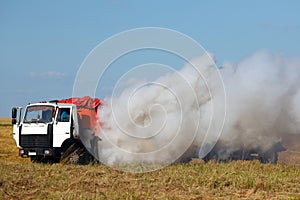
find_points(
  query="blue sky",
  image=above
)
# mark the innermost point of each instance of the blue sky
(43, 43)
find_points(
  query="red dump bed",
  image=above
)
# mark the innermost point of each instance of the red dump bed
(87, 110)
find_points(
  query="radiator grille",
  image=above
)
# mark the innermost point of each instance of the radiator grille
(35, 141)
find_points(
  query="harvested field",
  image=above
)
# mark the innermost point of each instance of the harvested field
(21, 179)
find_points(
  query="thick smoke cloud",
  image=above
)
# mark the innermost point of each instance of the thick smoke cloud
(263, 100)
(157, 123)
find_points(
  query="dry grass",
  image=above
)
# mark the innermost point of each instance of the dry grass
(21, 179)
(5, 121)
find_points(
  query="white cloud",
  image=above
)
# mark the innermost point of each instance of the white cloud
(47, 75)
(25, 91)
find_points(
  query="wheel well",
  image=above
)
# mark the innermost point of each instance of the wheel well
(68, 143)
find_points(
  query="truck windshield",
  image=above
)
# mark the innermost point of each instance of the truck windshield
(38, 114)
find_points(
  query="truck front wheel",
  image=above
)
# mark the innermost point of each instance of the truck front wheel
(75, 153)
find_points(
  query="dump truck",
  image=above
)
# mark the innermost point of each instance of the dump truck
(53, 131)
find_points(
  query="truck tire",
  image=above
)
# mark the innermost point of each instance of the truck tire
(75, 153)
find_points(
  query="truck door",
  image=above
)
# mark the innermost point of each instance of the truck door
(62, 126)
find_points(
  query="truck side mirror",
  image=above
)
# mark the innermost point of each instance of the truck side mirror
(14, 113)
(14, 121)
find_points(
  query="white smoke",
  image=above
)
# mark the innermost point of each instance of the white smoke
(158, 122)
(262, 93)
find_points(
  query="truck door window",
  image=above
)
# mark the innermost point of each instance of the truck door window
(63, 115)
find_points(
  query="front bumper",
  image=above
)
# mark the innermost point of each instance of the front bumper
(27, 152)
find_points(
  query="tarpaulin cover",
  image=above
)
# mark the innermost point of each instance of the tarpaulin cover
(83, 102)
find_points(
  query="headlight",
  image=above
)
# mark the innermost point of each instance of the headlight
(21, 151)
(47, 152)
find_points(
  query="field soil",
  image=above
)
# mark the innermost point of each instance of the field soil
(21, 179)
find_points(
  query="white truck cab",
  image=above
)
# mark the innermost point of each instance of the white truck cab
(45, 130)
